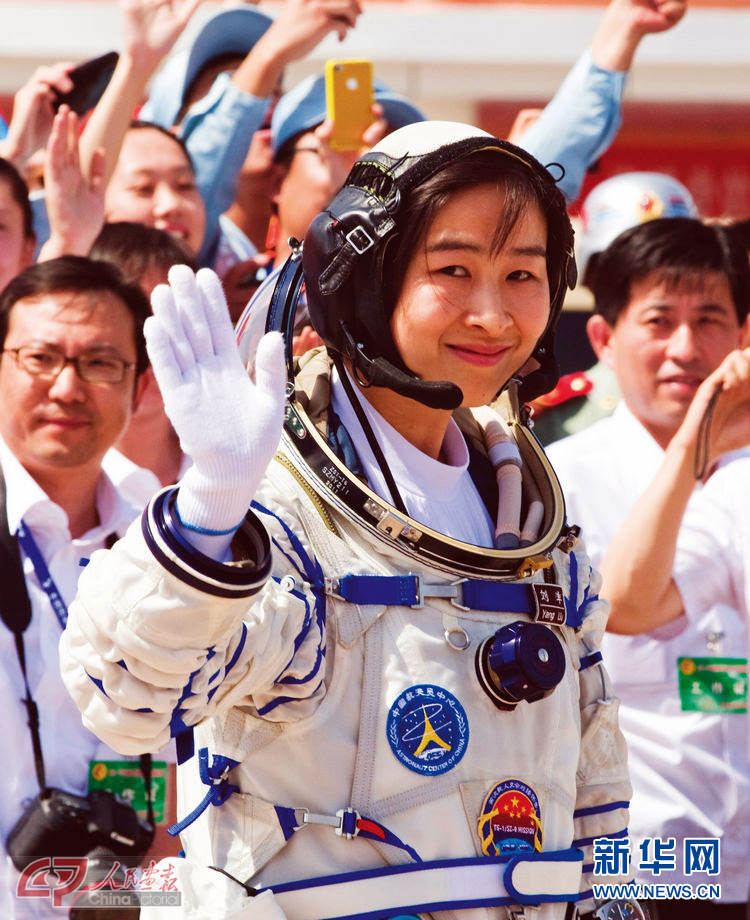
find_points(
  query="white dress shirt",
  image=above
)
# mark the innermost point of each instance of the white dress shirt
(67, 746)
(713, 550)
(135, 484)
(690, 770)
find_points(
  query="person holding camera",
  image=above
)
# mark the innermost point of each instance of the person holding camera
(71, 372)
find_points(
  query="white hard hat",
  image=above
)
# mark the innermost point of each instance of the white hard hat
(624, 201)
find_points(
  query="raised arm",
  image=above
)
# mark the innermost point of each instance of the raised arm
(299, 27)
(637, 568)
(582, 119)
(218, 138)
(164, 631)
(149, 30)
(624, 25)
(33, 113)
(229, 424)
(75, 204)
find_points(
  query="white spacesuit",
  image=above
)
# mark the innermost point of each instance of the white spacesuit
(373, 719)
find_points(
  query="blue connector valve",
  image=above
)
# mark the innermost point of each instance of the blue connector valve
(522, 661)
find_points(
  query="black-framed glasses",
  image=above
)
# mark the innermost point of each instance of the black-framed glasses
(47, 362)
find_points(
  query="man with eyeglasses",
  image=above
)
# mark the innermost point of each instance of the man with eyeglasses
(70, 372)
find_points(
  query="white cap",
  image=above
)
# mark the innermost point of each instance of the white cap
(625, 201)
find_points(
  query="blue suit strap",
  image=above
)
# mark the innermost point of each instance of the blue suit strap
(214, 775)
(499, 597)
(347, 823)
(391, 590)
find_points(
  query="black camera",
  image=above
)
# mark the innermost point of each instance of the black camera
(60, 823)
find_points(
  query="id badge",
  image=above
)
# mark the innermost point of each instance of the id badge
(124, 779)
(712, 684)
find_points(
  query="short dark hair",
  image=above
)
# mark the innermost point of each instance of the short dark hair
(139, 125)
(137, 249)
(78, 275)
(20, 194)
(523, 188)
(678, 251)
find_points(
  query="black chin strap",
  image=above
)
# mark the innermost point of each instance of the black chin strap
(378, 372)
(369, 434)
(371, 372)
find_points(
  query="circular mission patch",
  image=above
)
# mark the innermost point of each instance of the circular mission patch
(427, 729)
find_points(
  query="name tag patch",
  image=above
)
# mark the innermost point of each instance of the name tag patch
(549, 604)
(427, 729)
(712, 684)
(124, 779)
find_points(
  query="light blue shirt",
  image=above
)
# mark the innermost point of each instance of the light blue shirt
(39, 219)
(579, 123)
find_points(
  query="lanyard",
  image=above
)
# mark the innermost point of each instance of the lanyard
(28, 545)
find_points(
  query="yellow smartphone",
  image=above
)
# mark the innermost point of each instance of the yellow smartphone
(349, 98)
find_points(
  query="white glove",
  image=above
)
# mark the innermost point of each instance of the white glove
(227, 423)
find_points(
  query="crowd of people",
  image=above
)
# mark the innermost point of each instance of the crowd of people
(277, 509)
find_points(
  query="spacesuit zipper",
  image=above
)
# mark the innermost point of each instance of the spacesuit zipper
(310, 492)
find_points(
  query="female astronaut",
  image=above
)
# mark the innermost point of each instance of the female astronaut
(384, 678)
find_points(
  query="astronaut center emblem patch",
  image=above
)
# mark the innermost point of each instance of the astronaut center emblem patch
(427, 729)
(511, 820)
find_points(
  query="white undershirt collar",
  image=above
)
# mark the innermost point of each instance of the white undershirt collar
(414, 471)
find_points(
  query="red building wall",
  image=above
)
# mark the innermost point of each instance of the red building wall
(705, 145)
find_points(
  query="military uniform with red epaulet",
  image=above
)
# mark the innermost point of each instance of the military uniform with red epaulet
(578, 400)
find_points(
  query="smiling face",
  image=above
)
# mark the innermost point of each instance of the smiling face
(154, 184)
(466, 313)
(666, 341)
(65, 423)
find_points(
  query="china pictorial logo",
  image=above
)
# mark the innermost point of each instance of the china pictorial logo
(66, 882)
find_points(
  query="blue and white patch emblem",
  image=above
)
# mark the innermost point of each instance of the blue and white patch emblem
(427, 729)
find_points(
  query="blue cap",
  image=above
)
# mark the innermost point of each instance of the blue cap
(304, 108)
(232, 31)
